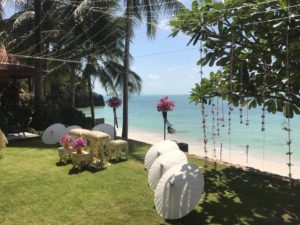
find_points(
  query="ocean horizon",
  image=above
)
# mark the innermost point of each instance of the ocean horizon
(270, 145)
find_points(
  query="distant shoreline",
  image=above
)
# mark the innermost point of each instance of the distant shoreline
(237, 159)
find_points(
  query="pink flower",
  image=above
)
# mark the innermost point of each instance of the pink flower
(165, 105)
(65, 138)
(79, 142)
(114, 102)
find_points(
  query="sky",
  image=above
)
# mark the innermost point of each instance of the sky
(166, 64)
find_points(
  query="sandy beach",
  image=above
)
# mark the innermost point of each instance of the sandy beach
(238, 158)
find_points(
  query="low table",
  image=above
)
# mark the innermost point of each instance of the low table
(64, 154)
(82, 159)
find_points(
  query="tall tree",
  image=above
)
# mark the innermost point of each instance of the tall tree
(104, 49)
(38, 104)
(257, 46)
(136, 10)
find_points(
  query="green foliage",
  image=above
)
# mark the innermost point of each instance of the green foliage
(261, 70)
(16, 107)
(71, 116)
(66, 115)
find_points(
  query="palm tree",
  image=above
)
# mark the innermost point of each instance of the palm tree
(38, 105)
(103, 52)
(150, 9)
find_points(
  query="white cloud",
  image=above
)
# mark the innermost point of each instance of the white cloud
(153, 76)
(164, 25)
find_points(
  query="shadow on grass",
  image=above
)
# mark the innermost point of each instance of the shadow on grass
(233, 196)
(137, 150)
(33, 144)
(91, 169)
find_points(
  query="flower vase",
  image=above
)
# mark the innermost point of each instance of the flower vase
(66, 144)
(165, 121)
(79, 150)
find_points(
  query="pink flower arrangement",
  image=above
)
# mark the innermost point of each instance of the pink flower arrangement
(114, 102)
(65, 138)
(79, 142)
(165, 105)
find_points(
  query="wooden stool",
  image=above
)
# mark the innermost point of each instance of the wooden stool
(119, 147)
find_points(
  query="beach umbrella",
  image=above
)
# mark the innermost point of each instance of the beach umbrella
(53, 133)
(106, 128)
(162, 164)
(158, 149)
(178, 191)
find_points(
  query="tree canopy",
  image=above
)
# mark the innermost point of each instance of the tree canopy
(256, 46)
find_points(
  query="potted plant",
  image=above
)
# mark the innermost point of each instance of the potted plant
(66, 141)
(79, 144)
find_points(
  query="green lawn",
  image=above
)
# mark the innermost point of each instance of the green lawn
(37, 190)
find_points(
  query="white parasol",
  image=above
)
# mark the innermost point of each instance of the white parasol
(178, 191)
(53, 133)
(106, 128)
(72, 127)
(162, 164)
(158, 149)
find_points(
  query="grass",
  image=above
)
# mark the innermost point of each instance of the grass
(35, 189)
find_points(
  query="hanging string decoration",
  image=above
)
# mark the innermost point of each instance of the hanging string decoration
(263, 108)
(222, 118)
(247, 116)
(230, 108)
(218, 123)
(203, 113)
(213, 128)
(241, 94)
(288, 104)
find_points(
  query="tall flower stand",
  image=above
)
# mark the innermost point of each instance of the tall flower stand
(165, 123)
(115, 122)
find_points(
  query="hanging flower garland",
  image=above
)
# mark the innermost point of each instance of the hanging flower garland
(164, 105)
(114, 102)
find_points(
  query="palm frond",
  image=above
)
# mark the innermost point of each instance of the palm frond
(81, 8)
(22, 17)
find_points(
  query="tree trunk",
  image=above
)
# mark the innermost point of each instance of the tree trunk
(91, 100)
(128, 30)
(38, 116)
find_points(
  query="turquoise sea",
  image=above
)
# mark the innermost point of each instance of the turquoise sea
(187, 120)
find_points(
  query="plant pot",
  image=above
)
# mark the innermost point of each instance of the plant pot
(66, 144)
(79, 150)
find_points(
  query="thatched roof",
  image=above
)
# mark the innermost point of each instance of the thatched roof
(10, 68)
